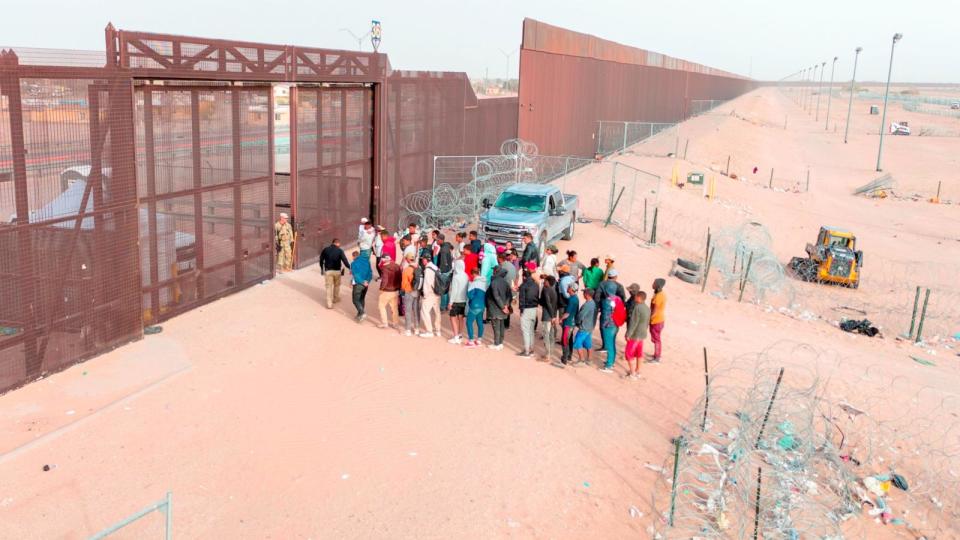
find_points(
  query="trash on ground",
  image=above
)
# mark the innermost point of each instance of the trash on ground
(151, 330)
(922, 361)
(862, 326)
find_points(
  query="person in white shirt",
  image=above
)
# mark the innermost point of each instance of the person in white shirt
(366, 239)
(550, 262)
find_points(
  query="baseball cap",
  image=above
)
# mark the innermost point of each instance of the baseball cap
(284, 215)
(364, 220)
(634, 288)
(608, 257)
(613, 273)
(531, 266)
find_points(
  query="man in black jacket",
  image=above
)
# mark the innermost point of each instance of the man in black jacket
(499, 295)
(332, 263)
(530, 251)
(529, 298)
(548, 312)
(445, 265)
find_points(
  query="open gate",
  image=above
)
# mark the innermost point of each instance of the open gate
(332, 187)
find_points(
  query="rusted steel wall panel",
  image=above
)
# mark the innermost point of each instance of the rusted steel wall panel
(564, 92)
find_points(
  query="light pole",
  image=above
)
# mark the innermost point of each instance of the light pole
(813, 79)
(846, 130)
(833, 66)
(816, 118)
(886, 94)
(356, 37)
(507, 55)
(803, 74)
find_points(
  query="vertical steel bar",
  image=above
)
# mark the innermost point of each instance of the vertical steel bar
(846, 130)
(756, 505)
(169, 516)
(913, 318)
(600, 138)
(237, 141)
(272, 173)
(745, 278)
(150, 150)
(706, 389)
(673, 485)
(706, 272)
(294, 96)
(623, 148)
(653, 230)
(197, 197)
(886, 95)
(923, 316)
(766, 415)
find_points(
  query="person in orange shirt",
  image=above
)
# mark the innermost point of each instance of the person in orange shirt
(411, 297)
(657, 306)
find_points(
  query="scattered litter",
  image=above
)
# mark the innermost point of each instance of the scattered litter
(7, 501)
(583, 220)
(873, 485)
(880, 188)
(900, 482)
(84, 373)
(47, 468)
(412, 454)
(8, 330)
(705, 478)
(635, 513)
(344, 476)
(71, 412)
(862, 326)
(922, 361)
(586, 484)
(850, 409)
(151, 330)
(654, 468)
(512, 524)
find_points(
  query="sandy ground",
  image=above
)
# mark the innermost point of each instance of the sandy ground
(269, 416)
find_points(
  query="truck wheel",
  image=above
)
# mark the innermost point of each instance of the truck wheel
(568, 234)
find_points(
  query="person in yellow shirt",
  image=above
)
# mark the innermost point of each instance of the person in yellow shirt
(657, 306)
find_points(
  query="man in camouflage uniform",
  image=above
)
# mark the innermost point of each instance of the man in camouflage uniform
(284, 243)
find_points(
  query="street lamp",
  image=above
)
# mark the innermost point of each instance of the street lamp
(833, 66)
(816, 118)
(356, 37)
(507, 55)
(813, 79)
(846, 130)
(886, 95)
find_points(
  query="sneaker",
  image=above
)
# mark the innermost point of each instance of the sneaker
(455, 340)
(493, 347)
(426, 335)
(471, 345)
(652, 360)
(363, 316)
(437, 334)
(606, 370)
(523, 353)
(408, 333)
(383, 326)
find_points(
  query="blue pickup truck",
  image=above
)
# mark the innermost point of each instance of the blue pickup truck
(540, 209)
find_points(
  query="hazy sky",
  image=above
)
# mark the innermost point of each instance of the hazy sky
(775, 37)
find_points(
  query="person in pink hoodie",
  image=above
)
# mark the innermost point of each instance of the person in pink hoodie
(389, 247)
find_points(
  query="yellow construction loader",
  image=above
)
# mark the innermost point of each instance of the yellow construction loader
(833, 259)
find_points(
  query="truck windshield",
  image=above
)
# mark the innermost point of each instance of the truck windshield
(521, 202)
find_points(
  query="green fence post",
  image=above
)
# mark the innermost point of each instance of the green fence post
(923, 315)
(653, 228)
(745, 278)
(913, 318)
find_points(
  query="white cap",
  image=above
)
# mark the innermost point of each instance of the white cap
(284, 215)
(364, 220)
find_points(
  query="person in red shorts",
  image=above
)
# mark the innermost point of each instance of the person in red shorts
(657, 306)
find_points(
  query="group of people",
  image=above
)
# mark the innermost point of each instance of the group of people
(424, 276)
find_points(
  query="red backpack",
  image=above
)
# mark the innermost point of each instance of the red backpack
(619, 311)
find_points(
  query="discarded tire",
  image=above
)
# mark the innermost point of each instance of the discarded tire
(687, 276)
(689, 265)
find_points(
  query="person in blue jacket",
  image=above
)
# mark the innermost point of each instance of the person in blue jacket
(362, 274)
(476, 304)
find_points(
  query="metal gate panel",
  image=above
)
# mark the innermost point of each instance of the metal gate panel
(334, 162)
(68, 287)
(205, 183)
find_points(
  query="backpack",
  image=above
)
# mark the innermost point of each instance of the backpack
(619, 311)
(418, 279)
(441, 282)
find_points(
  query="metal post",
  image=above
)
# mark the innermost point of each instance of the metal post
(745, 278)
(706, 391)
(856, 56)
(728, 167)
(913, 318)
(833, 67)
(644, 214)
(673, 485)
(624, 147)
(599, 137)
(819, 92)
(169, 516)
(808, 180)
(923, 315)
(771, 178)
(686, 146)
(653, 229)
(766, 415)
(886, 95)
(756, 505)
(706, 271)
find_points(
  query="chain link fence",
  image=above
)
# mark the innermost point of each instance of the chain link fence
(618, 136)
(703, 106)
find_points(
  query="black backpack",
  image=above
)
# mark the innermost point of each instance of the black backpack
(441, 282)
(418, 279)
